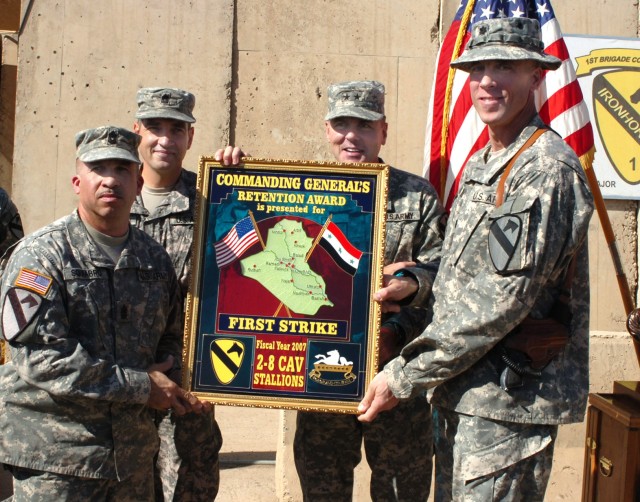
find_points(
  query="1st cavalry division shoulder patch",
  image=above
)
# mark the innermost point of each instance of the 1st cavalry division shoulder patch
(20, 307)
(504, 236)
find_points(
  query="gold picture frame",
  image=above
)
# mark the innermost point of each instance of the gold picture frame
(287, 255)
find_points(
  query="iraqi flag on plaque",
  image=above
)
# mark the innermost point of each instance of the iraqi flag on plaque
(341, 250)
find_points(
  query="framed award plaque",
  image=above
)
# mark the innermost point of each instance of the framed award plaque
(286, 258)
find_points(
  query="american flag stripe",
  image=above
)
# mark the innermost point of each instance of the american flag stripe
(227, 254)
(559, 100)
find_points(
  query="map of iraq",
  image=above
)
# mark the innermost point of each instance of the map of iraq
(282, 268)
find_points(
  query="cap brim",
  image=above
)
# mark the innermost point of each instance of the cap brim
(166, 114)
(359, 113)
(504, 53)
(107, 153)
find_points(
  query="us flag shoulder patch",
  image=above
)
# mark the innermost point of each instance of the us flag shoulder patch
(33, 281)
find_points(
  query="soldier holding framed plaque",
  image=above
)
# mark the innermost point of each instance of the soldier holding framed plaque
(187, 465)
(280, 313)
(327, 446)
(514, 268)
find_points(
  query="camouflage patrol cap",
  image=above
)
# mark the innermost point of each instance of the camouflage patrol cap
(107, 142)
(361, 99)
(165, 103)
(506, 39)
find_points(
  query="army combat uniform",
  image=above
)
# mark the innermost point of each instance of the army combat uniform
(10, 223)
(185, 470)
(398, 445)
(10, 233)
(500, 265)
(82, 333)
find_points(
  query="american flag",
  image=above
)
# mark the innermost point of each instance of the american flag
(241, 236)
(453, 137)
(30, 279)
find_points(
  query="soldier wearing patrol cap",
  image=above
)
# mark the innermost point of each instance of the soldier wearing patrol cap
(91, 316)
(327, 446)
(187, 466)
(165, 103)
(519, 221)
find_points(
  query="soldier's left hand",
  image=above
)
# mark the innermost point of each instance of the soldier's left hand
(377, 399)
(395, 288)
(167, 395)
(193, 404)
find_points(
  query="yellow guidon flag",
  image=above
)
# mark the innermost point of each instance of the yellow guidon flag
(226, 358)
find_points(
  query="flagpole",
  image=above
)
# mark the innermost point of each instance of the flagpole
(627, 300)
(610, 238)
(318, 237)
(255, 227)
(464, 22)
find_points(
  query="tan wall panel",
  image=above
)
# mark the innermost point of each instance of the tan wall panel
(414, 89)
(288, 56)
(607, 310)
(82, 67)
(377, 27)
(286, 119)
(8, 83)
(614, 18)
(36, 156)
(611, 358)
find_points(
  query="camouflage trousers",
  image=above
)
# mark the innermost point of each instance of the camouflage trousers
(398, 447)
(187, 467)
(482, 460)
(40, 486)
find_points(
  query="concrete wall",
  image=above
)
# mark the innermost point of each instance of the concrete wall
(8, 78)
(80, 67)
(260, 70)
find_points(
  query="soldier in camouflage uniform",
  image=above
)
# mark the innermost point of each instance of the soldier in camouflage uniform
(10, 223)
(501, 265)
(187, 466)
(10, 233)
(327, 446)
(90, 313)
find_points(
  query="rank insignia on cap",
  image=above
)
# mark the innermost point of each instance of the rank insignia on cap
(33, 281)
(20, 306)
(113, 137)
